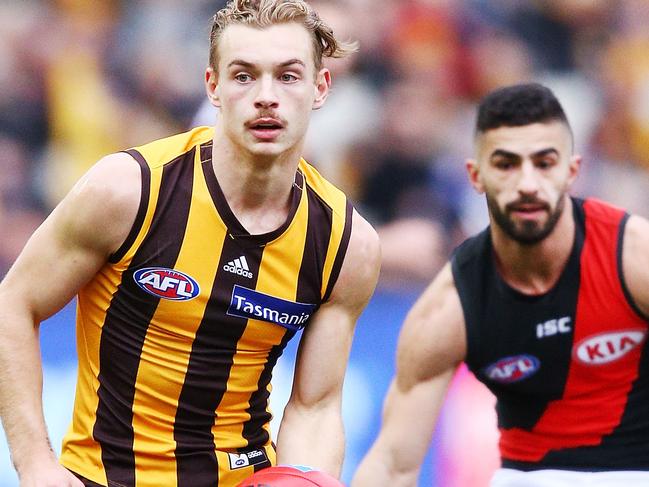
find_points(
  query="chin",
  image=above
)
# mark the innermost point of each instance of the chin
(270, 149)
(266, 150)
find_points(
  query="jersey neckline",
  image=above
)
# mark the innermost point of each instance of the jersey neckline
(234, 227)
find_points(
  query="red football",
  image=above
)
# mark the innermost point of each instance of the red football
(290, 476)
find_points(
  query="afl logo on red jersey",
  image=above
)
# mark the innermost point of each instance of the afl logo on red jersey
(512, 369)
(166, 283)
(608, 347)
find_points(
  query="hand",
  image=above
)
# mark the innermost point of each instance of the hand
(49, 474)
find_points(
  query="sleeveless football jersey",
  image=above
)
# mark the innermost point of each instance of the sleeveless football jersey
(569, 368)
(179, 332)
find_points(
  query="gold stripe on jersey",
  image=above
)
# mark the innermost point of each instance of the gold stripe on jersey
(156, 400)
(338, 202)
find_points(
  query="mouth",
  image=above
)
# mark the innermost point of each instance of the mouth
(265, 128)
(528, 210)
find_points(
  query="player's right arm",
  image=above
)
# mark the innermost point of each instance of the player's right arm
(432, 344)
(64, 253)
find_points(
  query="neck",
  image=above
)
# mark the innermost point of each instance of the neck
(256, 187)
(535, 269)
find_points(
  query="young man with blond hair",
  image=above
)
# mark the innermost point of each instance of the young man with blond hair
(195, 259)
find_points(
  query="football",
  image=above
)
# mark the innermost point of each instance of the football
(290, 476)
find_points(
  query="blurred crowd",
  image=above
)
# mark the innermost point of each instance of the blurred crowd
(80, 79)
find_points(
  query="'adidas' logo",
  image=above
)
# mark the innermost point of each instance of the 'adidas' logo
(239, 266)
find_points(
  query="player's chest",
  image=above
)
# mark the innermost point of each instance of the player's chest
(537, 348)
(228, 288)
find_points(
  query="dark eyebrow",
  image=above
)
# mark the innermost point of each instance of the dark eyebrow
(504, 154)
(240, 62)
(511, 155)
(249, 65)
(545, 152)
(293, 61)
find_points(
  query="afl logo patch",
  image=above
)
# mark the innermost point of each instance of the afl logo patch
(608, 347)
(166, 283)
(512, 369)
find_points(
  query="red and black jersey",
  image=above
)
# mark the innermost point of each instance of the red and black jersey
(569, 368)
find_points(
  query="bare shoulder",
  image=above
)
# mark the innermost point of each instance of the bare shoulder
(637, 233)
(635, 261)
(101, 208)
(433, 336)
(360, 269)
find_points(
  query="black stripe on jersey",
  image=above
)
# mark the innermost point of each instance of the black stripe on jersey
(253, 430)
(124, 330)
(206, 152)
(342, 250)
(625, 289)
(208, 372)
(141, 211)
(318, 234)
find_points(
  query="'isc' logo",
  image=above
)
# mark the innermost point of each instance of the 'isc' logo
(166, 283)
(512, 369)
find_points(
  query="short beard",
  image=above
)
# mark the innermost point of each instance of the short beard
(529, 232)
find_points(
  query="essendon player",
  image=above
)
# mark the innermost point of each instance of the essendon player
(548, 307)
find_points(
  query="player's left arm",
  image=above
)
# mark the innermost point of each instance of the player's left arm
(635, 261)
(311, 431)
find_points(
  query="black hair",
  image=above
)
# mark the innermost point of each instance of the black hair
(517, 105)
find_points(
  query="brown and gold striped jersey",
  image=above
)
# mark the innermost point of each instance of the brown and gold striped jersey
(178, 333)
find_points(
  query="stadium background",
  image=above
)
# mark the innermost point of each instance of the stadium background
(80, 79)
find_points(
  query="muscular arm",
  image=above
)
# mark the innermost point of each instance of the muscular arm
(311, 431)
(635, 262)
(60, 257)
(431, 346)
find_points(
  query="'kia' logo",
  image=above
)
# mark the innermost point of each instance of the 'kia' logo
(607, 347)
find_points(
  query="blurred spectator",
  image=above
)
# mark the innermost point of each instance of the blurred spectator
(23, 111)
(19, 216)
(353, 109)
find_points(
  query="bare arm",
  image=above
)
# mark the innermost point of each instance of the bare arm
(431, 346)
(311, 432)
(635, 261)
(61, 256)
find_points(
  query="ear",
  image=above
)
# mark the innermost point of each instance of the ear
(212, 86)
(573, 168)
(473, 170)
(322, 87)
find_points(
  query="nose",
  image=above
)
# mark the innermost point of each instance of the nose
(266, 97)
(528, 182)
